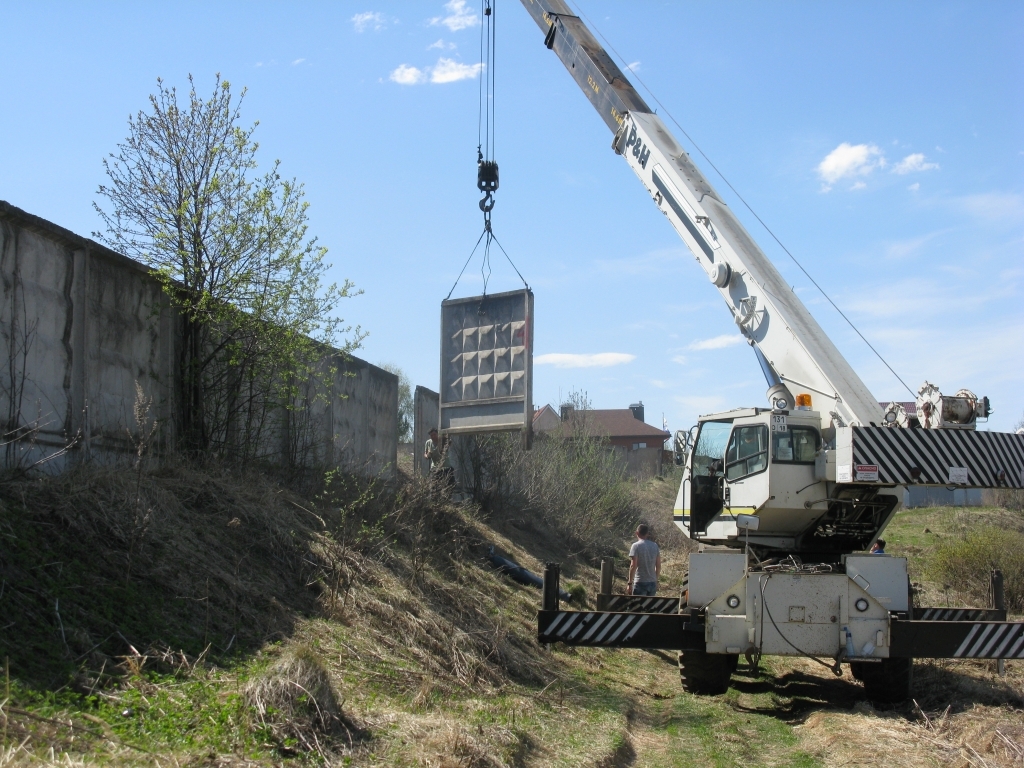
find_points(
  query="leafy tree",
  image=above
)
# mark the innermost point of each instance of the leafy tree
(406, 407)
(232, 251)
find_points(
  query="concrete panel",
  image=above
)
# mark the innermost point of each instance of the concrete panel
(123, 308)
(365, 418)
(487, 363)
(36, 357)
(426, 416)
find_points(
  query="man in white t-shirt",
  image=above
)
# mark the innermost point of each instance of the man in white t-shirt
(644, 564)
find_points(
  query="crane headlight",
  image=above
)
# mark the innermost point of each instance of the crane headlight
(861, 604)
(732, 601)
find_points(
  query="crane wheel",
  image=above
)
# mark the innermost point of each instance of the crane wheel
(706, 674)
(888, 682)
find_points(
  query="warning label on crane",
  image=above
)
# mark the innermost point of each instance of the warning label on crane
(866, 473)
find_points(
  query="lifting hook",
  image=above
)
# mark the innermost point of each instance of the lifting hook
(486, 180)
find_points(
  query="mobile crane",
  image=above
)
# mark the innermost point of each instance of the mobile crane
(790, 495)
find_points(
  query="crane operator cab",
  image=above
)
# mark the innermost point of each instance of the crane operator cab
(773, 464)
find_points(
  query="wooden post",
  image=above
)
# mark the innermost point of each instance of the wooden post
(999, 603)
(607, 575)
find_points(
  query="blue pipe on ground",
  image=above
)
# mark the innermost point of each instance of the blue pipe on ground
(517, 573)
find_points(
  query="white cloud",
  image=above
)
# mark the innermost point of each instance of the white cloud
(859, 185)
(994, 206)
(718, 342)
(634, 67)
(681, 359)
(598, 360)
(445, 71)
(915, 186)
(406, 75)
(450, 71)
(912, 164)
(659, 384)
(459, 16)
(369, 19)
(849, 161)
(442, 45)
(297, 62)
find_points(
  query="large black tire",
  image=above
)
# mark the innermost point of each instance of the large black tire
(706, 674)
(888, 682)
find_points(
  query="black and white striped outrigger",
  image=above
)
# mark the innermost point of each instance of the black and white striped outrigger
(959, 614)
(638, 604)
(667, 631)
(957, 639)
(626, 621)
(965, 458)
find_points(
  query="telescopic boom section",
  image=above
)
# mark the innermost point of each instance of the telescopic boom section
(795, 354)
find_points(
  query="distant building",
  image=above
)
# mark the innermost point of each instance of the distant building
(638, 445)
(621, 427)
(545, 419)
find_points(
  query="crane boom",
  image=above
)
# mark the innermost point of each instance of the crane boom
(792, 349)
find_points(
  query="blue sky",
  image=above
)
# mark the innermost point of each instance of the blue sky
(882, 142)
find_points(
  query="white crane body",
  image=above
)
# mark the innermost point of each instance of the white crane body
(799, 486)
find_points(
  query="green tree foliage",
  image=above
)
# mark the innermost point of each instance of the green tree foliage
(406, 407)
(232, 250)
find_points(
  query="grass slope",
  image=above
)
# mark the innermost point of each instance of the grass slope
(202, 618)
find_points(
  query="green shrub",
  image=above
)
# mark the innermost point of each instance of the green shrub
(965, 564)
(578, 592)
(571, 479)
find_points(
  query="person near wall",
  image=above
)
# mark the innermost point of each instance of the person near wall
(644, 564)
(878, 548)
(441, 471)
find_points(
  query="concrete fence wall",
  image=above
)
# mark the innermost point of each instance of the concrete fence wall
(81, 326)
(426, 416)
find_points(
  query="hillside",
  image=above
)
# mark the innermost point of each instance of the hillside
(179, 616)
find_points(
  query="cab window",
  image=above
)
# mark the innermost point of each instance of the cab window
(710, 448)
(797, 445)
(747, 453)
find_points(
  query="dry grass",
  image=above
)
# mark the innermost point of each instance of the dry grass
(962, 715)
(295, 700)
